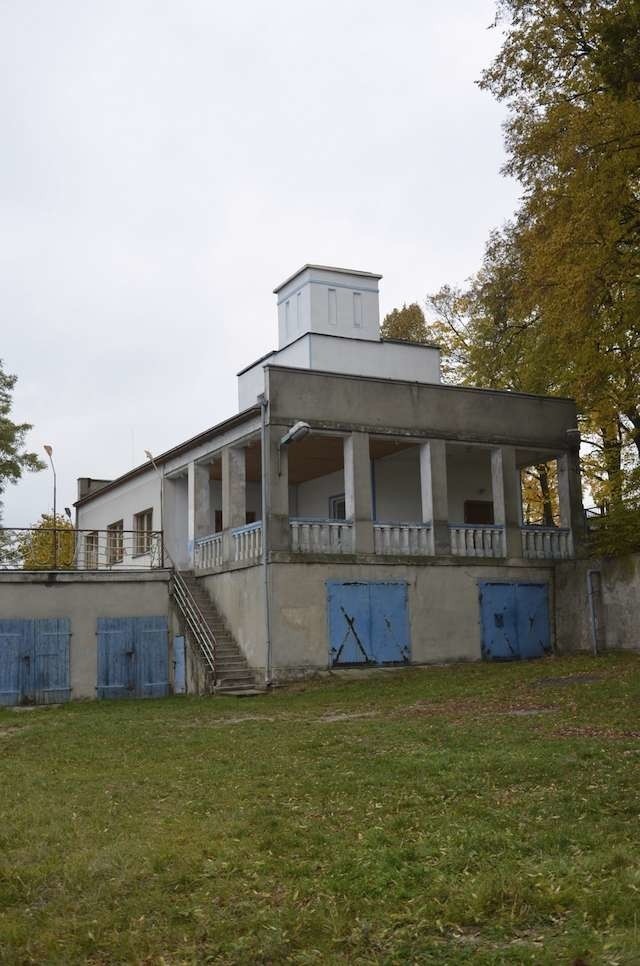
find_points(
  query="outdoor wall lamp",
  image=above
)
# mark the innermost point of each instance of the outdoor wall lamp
(297, 432)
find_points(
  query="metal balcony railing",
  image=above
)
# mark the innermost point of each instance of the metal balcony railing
(64, 548)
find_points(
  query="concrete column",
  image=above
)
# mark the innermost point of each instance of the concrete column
(198, 507)
(507, 497)
(570, 494)
(357, 490)
(277, 486)
(234, 487)
(434, 492)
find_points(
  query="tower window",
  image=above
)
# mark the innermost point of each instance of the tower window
(357, 308)
(333, 307)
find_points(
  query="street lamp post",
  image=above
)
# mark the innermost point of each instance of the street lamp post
(49, 451)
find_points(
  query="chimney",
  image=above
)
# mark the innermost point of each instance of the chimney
(87, 485)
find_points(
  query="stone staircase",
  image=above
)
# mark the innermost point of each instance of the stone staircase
(230, 673)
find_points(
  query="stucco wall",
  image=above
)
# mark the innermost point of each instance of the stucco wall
(619, 612)
(348, 355)
(420, 410)
(444, 611)
(122, 503)
(396, 481)
(253, 498)
(83, 598)
(240, 598)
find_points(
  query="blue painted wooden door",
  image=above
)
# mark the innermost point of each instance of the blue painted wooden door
(34, 660)
(179, 666)
(515, 621)
(133, 657)
(349, 623)
(389, 623)
(368, 623)
(532, 606)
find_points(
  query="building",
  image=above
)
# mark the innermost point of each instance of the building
(355, 508)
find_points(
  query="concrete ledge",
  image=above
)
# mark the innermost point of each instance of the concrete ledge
(383, 560)
(83, 576)
(228, 567)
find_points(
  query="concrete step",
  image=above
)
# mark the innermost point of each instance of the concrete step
(232, 675)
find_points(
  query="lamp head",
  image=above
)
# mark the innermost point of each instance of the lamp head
(48, 450)
(298, 431)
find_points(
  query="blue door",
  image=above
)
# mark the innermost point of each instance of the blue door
(349, 623)
(532, 606)
(133, 657)
(179, 666)
(368, 623)
(515, 621)
(34, 661)
(389, 623)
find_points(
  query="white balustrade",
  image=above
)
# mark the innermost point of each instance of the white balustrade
(412, 539)
(247, 542)
(321, 536)
(547, 543)
(208, 551)
(470, 541)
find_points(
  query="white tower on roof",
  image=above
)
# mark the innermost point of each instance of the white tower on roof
(331, 301)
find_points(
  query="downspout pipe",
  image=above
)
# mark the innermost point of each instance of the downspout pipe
(265, 538)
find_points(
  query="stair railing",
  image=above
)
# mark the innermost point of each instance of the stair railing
(196, 623)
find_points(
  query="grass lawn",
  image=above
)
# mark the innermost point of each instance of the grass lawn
(470, 814)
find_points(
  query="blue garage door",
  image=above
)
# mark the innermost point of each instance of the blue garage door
(34, 661)
(133, 657)
(515, 621)
(368, 623)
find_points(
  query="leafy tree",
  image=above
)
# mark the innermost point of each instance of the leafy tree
(9, 552)
(36, 547)
(555, 307)
(407, 324)
(14, 459)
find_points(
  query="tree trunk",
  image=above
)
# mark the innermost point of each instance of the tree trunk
(547, 509)
(612, 454)
(634, 418)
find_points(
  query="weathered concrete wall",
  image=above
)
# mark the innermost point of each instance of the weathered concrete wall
(447, 412)
(444, 611)
(83, 598)
(618, 610)
(240, 598)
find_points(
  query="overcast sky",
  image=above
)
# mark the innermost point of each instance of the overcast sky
(165, 163)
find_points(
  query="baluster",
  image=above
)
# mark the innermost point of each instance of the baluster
(546, 543)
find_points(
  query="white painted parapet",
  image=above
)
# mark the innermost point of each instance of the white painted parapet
(321, 536)
(547, 543)
(208, 552)
(247, 542)
(402, 538)
(476, 541)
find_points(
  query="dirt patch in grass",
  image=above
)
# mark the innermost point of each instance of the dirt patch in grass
(587, 731)
(459, 710)
(332, 716)
(12, 730)
(567, 681)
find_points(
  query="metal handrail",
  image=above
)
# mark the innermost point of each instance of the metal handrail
(196, 621)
